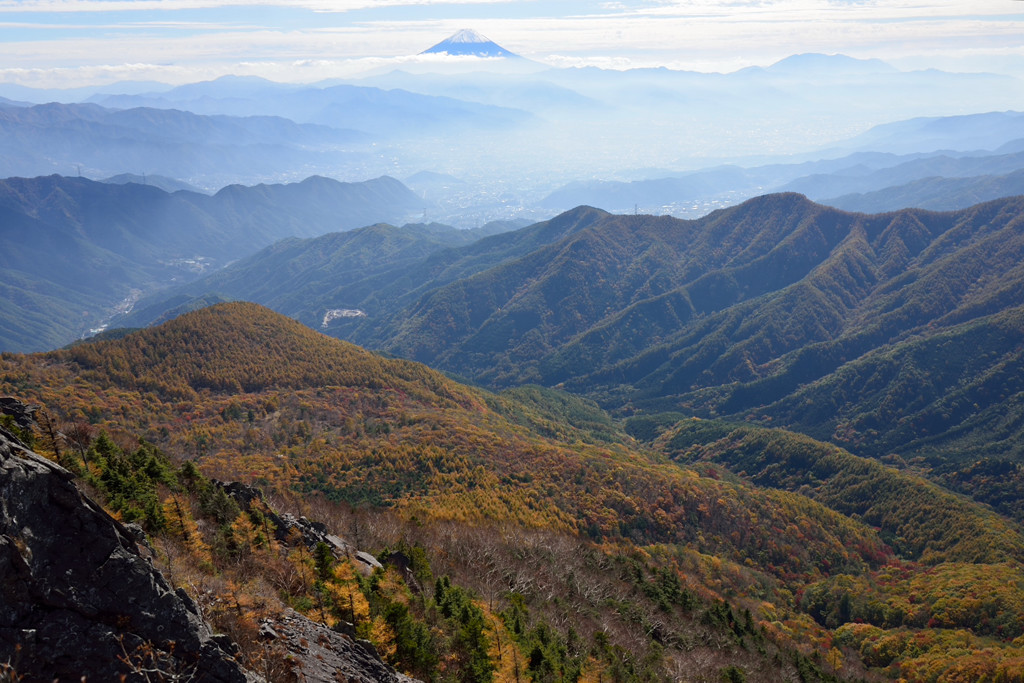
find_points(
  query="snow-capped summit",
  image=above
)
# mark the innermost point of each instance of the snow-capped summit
(469, 42)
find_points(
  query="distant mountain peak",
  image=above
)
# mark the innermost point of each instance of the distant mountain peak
(830, 63)
(468, 42)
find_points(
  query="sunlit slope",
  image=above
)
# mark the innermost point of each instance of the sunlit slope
(920, 520)
(894, 333)
(954, 618)
(256, 396)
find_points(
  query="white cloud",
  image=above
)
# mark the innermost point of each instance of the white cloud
(71, 6)
(707, 35)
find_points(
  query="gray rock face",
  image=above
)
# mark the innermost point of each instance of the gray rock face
(325, 656)
(76, 597)
(24, 415)
(286, 524)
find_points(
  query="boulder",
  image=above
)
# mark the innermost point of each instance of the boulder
(287, 525)
(324, 655)
(24, 415)
(76, 597)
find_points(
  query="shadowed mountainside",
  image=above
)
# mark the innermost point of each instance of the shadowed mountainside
(75, 249)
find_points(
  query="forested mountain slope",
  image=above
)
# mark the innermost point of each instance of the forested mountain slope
(374, 270)
(216, 357)
(888, 333)
(247, 394)
(75, 249)
(313, 276)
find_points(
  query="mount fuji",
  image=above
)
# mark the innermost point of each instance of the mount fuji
(468, 42)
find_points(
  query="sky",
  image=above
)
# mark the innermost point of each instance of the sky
(69, 43)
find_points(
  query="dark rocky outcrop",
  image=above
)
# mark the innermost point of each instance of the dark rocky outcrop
(287, 526)
(24, 415)
(77, 598)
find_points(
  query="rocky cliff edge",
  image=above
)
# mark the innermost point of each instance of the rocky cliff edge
(76, 597)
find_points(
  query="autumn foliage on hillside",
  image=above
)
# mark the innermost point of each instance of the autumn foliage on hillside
(489, 617)
(961, 618)
(236, 392)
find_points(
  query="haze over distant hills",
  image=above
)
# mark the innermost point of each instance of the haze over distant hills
(77, 249)
(211, 151)
(516, 138)
(935, 193)
(163, 182)
(953, 148)
(385, 114)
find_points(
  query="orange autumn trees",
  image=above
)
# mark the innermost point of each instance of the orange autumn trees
(769, 523)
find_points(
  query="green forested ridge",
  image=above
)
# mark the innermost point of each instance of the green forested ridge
(372, 280)
(919, 519)
(890, 333)
(721, 314)
(310, 276)
(556, 414)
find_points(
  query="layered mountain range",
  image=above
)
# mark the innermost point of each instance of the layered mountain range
(78, 249)
(781, 441)
(213, 142)
(528, 132)
(942, 163)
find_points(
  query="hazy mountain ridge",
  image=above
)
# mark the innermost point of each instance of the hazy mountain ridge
(935, 194)
(77, 248)
(971, 131)
(383, 113)
(49, 138)
(855, 180)
(937, 180)
(164, 183)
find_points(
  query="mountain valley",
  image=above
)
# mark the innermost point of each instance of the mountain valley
(76, 249)
(477, 365)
